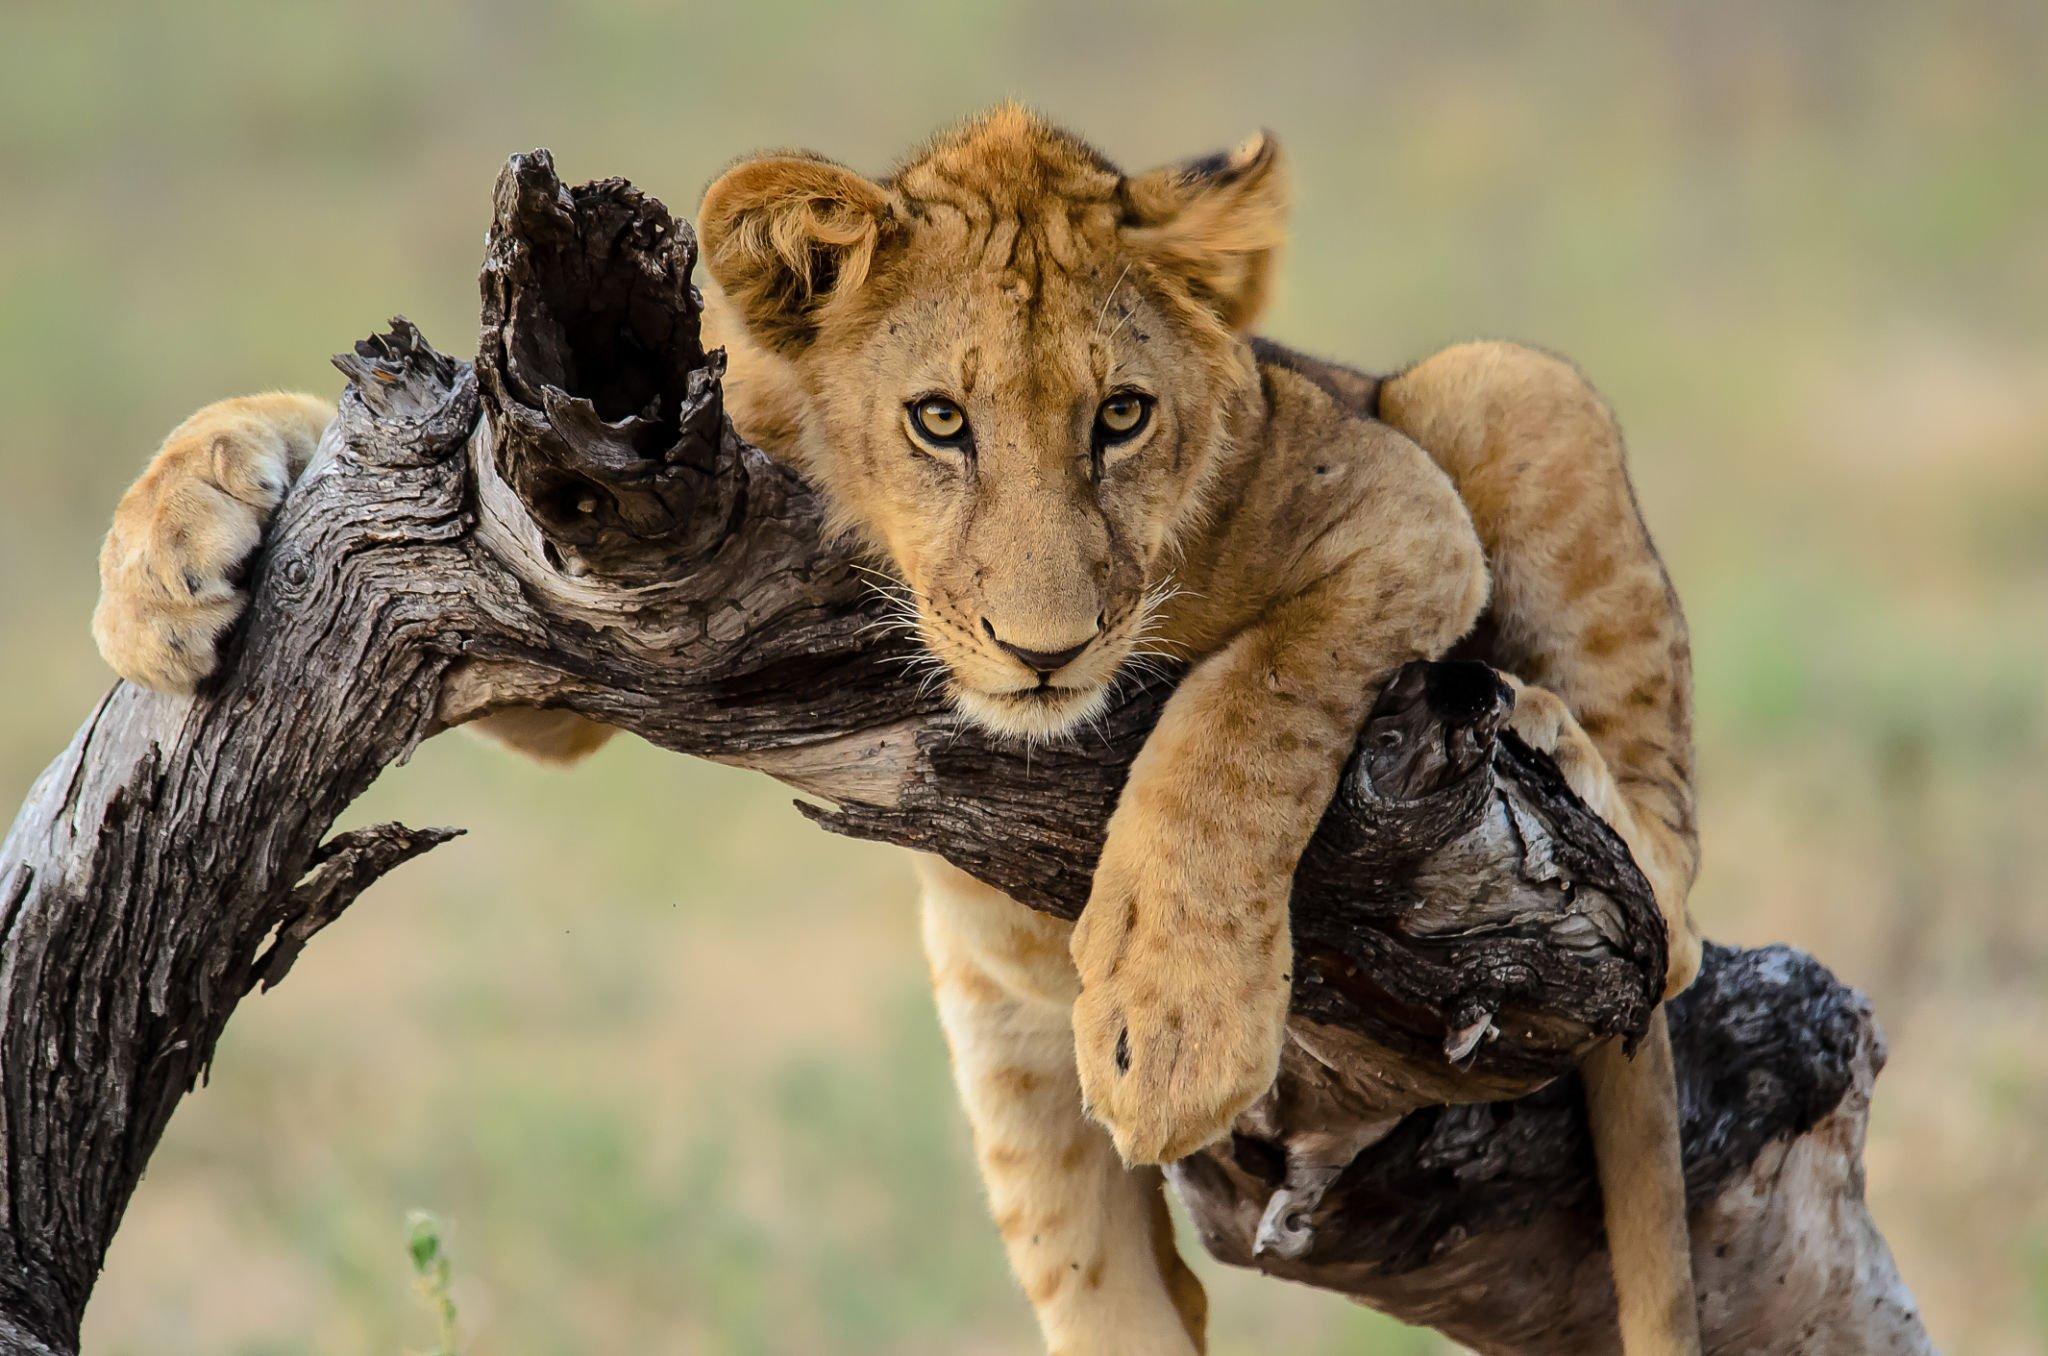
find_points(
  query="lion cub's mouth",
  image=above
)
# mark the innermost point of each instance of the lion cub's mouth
(1032, 713)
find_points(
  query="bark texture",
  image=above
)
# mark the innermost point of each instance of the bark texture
(573, 523)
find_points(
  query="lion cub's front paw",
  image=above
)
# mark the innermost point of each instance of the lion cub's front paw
(180, 538)
(1175, 1035)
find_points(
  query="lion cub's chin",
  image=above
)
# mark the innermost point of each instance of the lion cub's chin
(1031, 714)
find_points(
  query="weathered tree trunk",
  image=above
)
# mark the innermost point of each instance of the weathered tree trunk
(574, 524)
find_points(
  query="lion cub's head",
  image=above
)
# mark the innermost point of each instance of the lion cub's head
(1011, 368)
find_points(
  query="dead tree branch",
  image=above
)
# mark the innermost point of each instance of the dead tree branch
(573, 523)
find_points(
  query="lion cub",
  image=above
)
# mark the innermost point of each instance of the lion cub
(1026, 380)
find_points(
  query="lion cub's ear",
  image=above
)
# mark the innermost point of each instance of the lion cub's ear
(787, 237)
(1218, 222)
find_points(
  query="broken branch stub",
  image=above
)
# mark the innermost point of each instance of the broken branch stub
(613, 432)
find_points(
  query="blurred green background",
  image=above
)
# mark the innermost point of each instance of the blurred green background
(660, 1052)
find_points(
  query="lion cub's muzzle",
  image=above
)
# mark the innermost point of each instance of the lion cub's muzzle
(1039, 680)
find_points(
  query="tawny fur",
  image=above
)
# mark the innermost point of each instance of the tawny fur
(181, 533)
(1293, 529)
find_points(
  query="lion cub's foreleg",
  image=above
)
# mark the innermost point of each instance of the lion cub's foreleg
(1089, 1239)
(168, 570)
(1184, 949)
(171, 567)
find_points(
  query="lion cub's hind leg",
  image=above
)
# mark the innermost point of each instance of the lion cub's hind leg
(1582, 605)
(1581, 601)
(1547, 725)
(1090, 1240)
(1632, 1100)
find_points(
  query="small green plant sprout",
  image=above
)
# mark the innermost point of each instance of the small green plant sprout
(431, 1275)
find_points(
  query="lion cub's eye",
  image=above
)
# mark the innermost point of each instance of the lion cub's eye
(939, 420)
(1122, 417)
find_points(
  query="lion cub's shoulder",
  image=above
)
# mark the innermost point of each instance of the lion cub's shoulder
(1356, 393)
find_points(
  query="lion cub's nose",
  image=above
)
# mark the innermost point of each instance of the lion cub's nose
(1044, 663)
